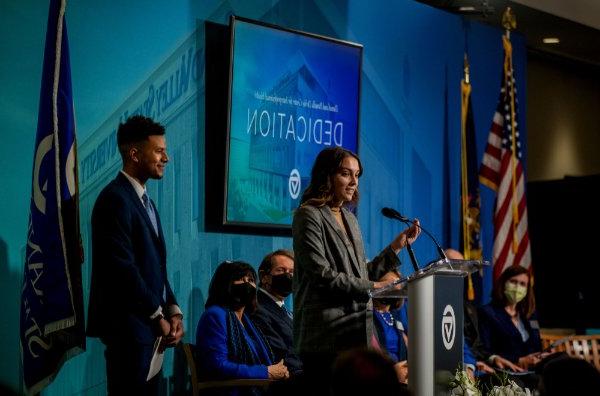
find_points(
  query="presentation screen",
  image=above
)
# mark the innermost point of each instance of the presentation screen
(291, 94)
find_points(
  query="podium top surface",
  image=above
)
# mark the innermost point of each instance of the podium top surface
(398, 289)
(465, 266)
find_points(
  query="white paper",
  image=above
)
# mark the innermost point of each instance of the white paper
(157, 359)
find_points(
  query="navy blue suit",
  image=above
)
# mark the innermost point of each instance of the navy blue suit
(278, 329)
(501, 337)
(129, 279)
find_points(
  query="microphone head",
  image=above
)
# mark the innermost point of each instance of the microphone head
(388, 212)
(393, 214)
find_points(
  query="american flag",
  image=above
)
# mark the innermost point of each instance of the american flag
(502, 171)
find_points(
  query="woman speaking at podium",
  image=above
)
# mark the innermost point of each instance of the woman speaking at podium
(332, 308)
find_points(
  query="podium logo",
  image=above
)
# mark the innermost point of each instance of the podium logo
(448, 327)
(294, 184)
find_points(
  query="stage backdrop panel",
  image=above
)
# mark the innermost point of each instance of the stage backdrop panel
(150, 59)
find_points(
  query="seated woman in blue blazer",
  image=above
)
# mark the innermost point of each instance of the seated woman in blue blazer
(507, 325)
(390, 331)
(228, 345)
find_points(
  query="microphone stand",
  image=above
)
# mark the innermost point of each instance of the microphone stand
(413, 259)
(394, 214)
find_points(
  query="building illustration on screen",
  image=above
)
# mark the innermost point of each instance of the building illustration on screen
(272, 158)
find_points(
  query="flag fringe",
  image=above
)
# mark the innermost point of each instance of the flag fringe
(488, 183)
(470, 288)
(38, 386)
(60, 325)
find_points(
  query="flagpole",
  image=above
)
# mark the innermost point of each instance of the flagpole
(465, 95)
(509, 22)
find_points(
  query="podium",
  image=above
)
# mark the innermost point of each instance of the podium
(435, 322)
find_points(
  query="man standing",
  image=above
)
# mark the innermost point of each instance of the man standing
(132, 308)
(271, 316)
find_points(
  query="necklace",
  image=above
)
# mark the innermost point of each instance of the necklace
(387, 318)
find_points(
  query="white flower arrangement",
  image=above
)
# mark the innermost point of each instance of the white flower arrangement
(462, 385)
(510, 389)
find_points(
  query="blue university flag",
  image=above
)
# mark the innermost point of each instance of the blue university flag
(52, 322)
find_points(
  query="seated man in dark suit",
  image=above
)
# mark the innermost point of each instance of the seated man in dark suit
(271, 316)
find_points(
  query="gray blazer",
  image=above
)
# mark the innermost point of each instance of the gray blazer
(332, 308)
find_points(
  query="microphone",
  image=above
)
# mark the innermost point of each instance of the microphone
(394, 214)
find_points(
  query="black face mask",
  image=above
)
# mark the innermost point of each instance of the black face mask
(281, 284)
(242, 294)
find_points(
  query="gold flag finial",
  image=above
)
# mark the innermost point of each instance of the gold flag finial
(466, 70)
(509, 21)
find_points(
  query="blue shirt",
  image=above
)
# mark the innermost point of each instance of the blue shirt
(390, 336)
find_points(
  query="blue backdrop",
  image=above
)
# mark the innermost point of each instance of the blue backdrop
(148, 58)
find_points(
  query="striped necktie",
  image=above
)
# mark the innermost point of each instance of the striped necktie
(287, 311)
(150, 211)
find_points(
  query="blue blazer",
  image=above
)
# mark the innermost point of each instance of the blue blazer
(501, 337)
(468, 357)
(129, 278)
(387, 334)
(212, 353)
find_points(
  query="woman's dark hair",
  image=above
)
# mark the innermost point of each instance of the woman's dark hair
(320, 190)
(526, 306)
(219, 291)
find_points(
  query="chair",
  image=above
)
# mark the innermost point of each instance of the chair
(199, 386)
(554, 342)
(586, 347)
